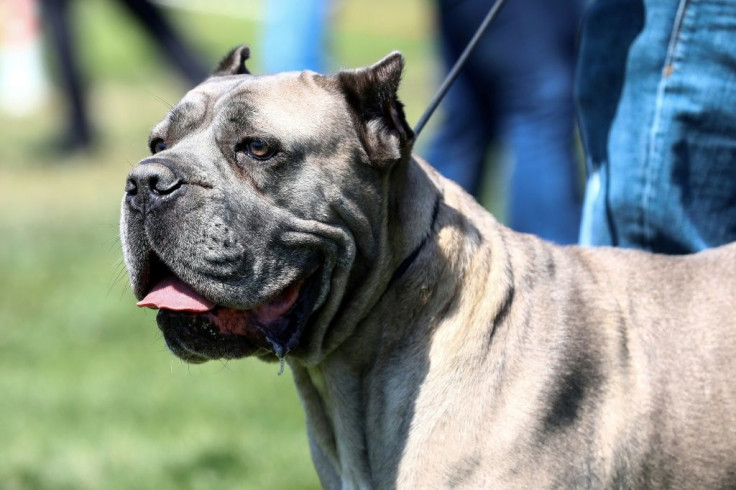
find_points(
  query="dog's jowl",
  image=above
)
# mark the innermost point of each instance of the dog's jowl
(285, 216)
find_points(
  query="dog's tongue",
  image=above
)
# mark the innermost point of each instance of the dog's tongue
(173, 294)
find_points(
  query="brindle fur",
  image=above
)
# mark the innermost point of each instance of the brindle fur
(445, 351)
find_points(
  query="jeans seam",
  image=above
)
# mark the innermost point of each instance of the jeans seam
(650, 164)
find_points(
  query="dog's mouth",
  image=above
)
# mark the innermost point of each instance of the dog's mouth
(196, 329)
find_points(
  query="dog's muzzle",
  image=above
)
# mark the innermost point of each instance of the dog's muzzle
(151, 183)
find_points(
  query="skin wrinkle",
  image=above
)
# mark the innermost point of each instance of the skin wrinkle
(183, 119)
(506, 287)
(406, 263)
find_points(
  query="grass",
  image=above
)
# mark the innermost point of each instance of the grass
(91, 398)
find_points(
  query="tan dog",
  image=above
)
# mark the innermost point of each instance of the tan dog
(284, 216)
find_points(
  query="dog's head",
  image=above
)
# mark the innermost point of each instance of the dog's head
(263, 207)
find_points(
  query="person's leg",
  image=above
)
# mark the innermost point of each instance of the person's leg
(459, 146)
(294, 35)
(670, 181)
(520, 75)
(545, 199)
(538, 118)
(689, 168)
(177, 52)
(523, 65)
(609, 29)
(56, 19)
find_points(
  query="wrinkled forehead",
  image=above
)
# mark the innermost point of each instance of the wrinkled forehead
(293, 103)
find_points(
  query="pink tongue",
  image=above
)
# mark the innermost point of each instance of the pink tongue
(173, 294)
(280, 305)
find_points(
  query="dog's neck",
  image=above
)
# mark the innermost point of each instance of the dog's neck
(415, 198)
(352, 427)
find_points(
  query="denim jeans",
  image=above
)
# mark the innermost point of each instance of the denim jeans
(516, 90)
(656, 93)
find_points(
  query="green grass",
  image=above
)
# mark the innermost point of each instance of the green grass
(90, 398)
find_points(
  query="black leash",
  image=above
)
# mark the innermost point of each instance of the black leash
(457, 67)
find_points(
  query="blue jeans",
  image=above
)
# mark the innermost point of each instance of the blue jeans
(656, 92)
(517, 89)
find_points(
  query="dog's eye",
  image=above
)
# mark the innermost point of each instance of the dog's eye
(157, 145)
(256, 148)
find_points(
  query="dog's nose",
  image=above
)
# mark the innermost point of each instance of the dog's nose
(150, 184)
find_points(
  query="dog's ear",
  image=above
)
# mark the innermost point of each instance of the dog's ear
(372, 94)
(234, 62)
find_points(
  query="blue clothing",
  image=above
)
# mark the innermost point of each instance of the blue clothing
(656, 91)
(517, 88)
(294, 36)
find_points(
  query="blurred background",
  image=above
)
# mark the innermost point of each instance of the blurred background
(90, 397)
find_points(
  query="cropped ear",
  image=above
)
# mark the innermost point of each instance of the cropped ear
(234, 62)
(371, 93)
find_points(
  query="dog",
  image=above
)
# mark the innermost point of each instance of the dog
(285, 217)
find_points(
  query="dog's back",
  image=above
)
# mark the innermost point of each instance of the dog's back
(604, 367)
(673, 396)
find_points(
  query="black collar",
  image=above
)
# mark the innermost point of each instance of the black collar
(406, 263)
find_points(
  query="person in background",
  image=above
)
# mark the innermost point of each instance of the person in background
(57, 19)
(23, 80)
(656, 91)
(517, 89)
(295, 35)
